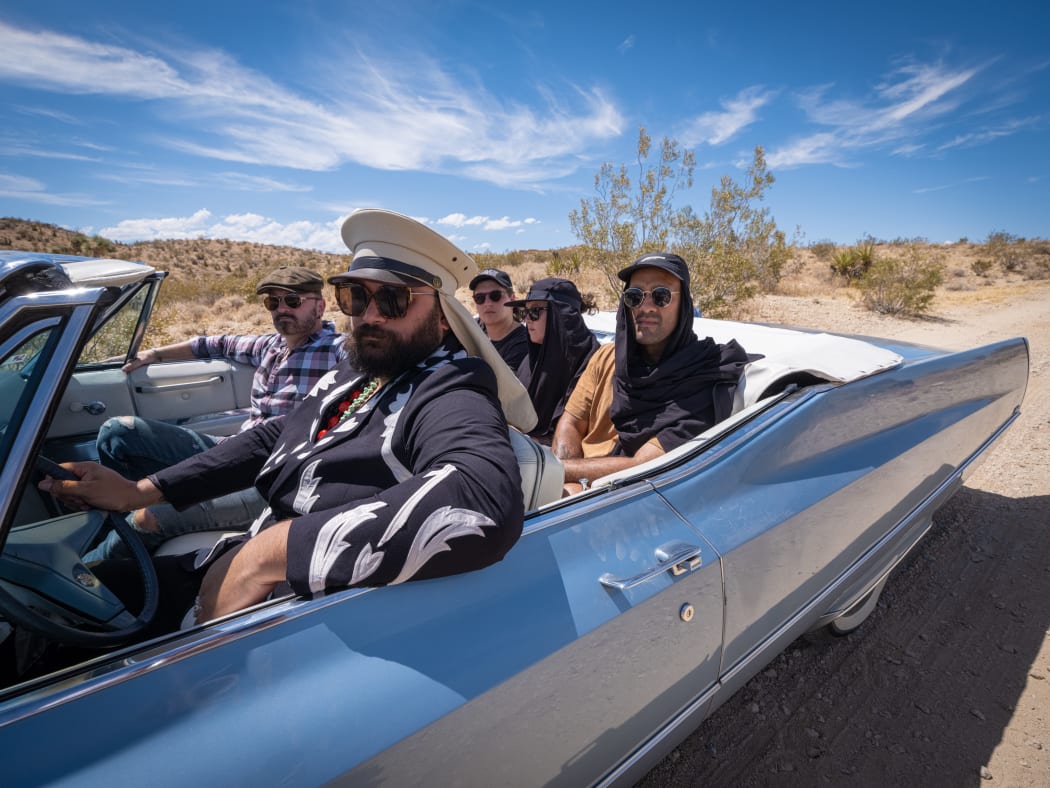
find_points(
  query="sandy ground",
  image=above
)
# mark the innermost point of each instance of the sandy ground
(948, 682)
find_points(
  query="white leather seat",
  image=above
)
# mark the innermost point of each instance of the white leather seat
(542, 474)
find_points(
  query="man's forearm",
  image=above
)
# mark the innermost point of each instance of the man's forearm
(594, 467)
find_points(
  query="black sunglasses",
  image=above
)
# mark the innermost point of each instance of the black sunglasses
(534, 313)
(292, 301)
(634, 297)
(391, 300)
(495, 296)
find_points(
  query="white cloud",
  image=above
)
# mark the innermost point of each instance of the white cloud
(714, 128)
(501, 224)
(404, 114)
(627, 43)
(460, 220)
(323, 236)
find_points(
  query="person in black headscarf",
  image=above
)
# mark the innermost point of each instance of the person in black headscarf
(655, 387)
(560, 345)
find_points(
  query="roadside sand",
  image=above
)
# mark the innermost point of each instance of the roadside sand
(948, 683)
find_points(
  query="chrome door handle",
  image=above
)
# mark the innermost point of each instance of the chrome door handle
(677, 557)
(196, 384)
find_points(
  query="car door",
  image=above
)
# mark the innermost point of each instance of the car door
(210, 394)
(558, 665)
(599, 629)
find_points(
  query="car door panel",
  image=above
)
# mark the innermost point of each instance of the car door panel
(183, 390)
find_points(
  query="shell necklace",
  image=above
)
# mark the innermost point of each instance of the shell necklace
(349, 406)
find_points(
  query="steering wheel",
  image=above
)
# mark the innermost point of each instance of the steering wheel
(44, 583)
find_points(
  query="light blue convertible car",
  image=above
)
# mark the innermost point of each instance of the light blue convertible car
(622, 618)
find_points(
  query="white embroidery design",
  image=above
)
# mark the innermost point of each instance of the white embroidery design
(305, 497)
(434, 534)
(332, 542)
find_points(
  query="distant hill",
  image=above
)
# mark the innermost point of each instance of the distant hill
(191, 258)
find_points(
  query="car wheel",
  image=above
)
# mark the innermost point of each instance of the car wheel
(858, 613)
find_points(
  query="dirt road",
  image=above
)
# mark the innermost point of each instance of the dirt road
(948, 683)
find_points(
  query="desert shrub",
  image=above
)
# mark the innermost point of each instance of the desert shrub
(981, 266)
(823, 250)
(853, 263)
(1006, 250)
(565, 264)
(902, 285)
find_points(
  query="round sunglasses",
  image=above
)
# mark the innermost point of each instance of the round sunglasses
(634, 297)
(495, 296)
(534, 313)
(392, 301)
(291, 300)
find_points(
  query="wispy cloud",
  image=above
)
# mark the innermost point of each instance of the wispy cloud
(714, 128)
(913, 103)
(20, 150)
(981, 136)
(19, 187)
(403, 114)
(626, 44)
(964, 182)
(48, 112)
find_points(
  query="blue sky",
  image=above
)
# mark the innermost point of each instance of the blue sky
(270, 122)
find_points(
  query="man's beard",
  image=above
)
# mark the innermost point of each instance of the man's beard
(395, 355)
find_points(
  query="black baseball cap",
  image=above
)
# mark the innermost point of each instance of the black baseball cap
(552, 289)
(665, 261)
(496, 275)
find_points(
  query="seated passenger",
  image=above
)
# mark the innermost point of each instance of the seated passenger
(288, 363)
(492, 288)
(653, 388)
(559, 346)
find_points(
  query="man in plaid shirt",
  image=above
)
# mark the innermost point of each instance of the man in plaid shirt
(288, 363)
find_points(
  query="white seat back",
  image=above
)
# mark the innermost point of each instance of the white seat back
(542, 474)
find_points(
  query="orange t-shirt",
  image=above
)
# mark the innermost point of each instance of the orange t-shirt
(591, 402)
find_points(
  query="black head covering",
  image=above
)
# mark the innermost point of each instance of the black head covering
(689, 389)
(550, 370)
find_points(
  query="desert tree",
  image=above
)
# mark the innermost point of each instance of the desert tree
(627, 219)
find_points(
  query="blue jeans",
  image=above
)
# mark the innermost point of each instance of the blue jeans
(137, 447)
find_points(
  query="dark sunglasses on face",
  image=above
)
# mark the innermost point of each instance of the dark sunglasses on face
(292, 301)
(534, 313)
(634, 297)
(391, 300)
(495, 296)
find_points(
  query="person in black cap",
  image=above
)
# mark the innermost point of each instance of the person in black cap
(653, 388)
(492, 290)
(396, 466)
(560, 345)
(287, 365)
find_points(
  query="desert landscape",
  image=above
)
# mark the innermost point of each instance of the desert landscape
(948, 682)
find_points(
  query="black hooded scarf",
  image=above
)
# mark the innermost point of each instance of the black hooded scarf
(551, 369)
(688, 390)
